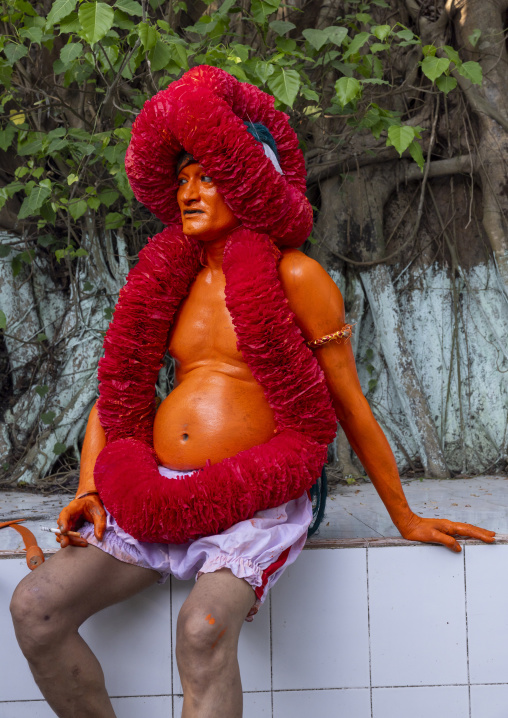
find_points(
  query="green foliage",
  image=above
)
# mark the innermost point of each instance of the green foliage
(59, 448)
(99, 61)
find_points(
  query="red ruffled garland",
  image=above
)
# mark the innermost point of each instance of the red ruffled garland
(151, 507)
(204, 113)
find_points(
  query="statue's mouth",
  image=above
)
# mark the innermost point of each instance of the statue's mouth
(192, 211)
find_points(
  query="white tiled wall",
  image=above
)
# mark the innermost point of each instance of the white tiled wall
(347, 633)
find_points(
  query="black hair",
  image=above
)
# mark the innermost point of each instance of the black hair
(183, 159)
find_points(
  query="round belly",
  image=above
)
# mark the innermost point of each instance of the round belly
(210, 416)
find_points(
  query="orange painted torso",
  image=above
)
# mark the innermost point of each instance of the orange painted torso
(216, 408)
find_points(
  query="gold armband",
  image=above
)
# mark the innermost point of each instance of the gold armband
(344, 333)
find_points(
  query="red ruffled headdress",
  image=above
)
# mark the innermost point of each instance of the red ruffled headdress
(203, 113)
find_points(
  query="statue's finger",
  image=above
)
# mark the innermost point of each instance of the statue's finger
(78, 541)
(437, 536)
(473, 532)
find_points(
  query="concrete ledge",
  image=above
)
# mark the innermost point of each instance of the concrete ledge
(375, 631)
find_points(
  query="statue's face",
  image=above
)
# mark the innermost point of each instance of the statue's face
(205, 215)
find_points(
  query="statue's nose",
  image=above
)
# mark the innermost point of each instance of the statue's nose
(190, 192)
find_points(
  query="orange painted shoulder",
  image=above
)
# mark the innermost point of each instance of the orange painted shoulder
(312, 294)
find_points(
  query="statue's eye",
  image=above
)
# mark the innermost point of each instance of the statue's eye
(205, 178)
(181, 181)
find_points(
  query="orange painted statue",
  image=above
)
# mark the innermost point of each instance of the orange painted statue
(222, 407)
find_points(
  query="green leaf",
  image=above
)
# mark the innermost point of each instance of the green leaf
(34, 34)
(46, 240)
(94, 203)
(405, 34)
(25, 7)
(446, 83)
(160, 55)
(59, 448)
(38, 196)
(48, 417)
(347, 88)
(77, 209)
(5, 250)
(225, 8)
(59, 10)
(3, 320)
(429, 50)
(381, 31)
(378, 47)
(5, 73)
(284, 84)
(309, 94)
(129, 7)
(474, 37)
(6, 137)
(27, 257)
(317, 38)
(70, 52)
(81, 252)
(286, 44)
(48, 213)
(16, 264)
(14, 52)
(72, 178)
(31, 147)
(42, 390)
(70, 23)
(96, 19)
(57, 145)
(114, 220)
(282, 26)
(356, 43)
(472, 71)
(452, 54)
(87, 286)
(415, 150)
(261, 9)
(108, 196)
(263, 70)
(434, 67)
(148, 35)
(41, 337)
(400, 136)
(335, 34)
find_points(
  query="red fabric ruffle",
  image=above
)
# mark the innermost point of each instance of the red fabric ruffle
(151, 507)
(137, 337)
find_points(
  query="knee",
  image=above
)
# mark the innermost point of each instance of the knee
(203, 642)
(34, 618)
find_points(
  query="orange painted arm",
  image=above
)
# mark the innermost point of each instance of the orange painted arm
(88, 508)
(319, 309)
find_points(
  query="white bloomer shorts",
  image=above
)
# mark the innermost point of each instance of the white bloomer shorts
(257, 550)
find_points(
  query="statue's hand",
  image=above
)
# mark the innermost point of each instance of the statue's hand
(89, 508)
(442, 531)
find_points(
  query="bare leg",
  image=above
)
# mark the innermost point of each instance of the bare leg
(206, 645)
(50, 604)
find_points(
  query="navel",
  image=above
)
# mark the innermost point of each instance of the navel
(185, 437)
